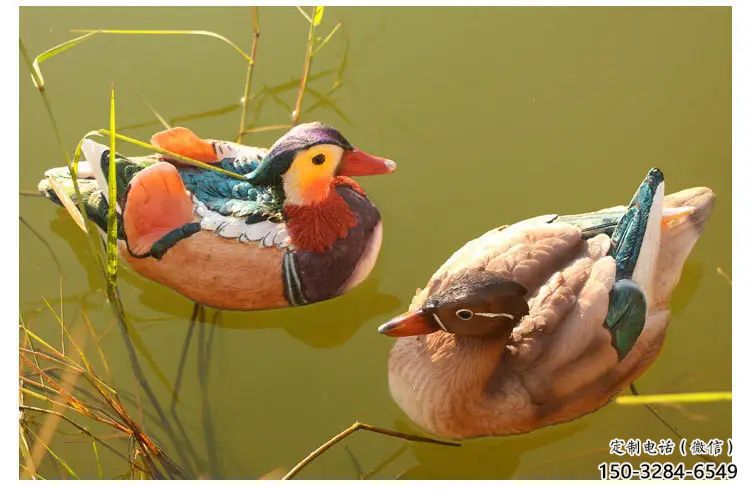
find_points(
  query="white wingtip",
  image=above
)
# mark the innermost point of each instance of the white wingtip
(645, 266)
(93, 150)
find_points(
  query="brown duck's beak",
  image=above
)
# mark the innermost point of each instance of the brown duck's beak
(417, 322)
(356, 163)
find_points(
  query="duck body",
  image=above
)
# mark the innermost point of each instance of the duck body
(269, 273)
(235, 243)
(567, 311)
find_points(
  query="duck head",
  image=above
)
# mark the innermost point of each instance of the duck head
(306, 161)
(473, 303)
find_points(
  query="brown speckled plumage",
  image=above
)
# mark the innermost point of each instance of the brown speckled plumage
(558, 363)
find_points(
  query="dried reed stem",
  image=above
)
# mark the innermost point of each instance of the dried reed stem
(249, 74)
(297, 112)
(354, 428)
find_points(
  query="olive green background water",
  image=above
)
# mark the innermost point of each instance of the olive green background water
(493, 115)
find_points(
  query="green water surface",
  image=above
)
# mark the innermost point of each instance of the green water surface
(493, 115)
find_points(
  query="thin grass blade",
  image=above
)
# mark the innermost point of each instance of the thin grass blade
(98, 462)
(155, 32)
(249, 73)
(153, 110)
(260, 129)
(318, 15)
(112, 212)
(183, 158)
(304, 14)
(326, 39)
(67, 203)
(701, 397)
(54, 51)
(62, 462)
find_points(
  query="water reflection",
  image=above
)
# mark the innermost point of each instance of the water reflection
(482, 116)
(484, 458)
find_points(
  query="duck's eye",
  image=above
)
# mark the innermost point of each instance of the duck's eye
(319, 159)
(464, 314)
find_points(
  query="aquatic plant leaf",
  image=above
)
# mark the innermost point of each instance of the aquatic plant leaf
(67, 203)
(318, 15)
(96, 457)
(723, 274)
(700, 397)
(326, 39)
(185, 117)
(112, 189)
(183, 158)
(260, 129)
(54, 51)
(57, 458)
(156, 32)
(153, 110)
(304, 14)
(249, 74)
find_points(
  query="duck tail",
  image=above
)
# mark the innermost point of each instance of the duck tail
(92, 181)
(94, 165)
(59, 181)
(685, 216)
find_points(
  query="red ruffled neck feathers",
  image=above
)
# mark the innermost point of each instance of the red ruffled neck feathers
(316, 227)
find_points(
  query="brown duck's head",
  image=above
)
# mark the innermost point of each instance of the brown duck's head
(474, 303)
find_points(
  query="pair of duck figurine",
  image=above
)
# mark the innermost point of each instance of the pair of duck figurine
(528, 325)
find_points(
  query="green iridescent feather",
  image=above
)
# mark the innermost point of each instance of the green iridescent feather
(628, 307)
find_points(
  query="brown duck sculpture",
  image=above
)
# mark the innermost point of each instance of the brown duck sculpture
(546, 320)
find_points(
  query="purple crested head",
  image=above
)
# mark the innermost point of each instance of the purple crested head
(282, 153)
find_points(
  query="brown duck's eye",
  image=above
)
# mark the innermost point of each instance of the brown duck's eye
(464, 314)
(319, 159)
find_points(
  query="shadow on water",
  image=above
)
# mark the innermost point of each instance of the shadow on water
(692, 275)
(338, 318)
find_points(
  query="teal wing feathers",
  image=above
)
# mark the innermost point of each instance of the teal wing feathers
(125, 169)
(626, 315)
(592, 224)
(627, 238)
(628, 305)
(226, 195)
(627, 226)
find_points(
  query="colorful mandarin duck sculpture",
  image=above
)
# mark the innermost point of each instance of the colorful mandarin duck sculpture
(546, 320)
(295, 230)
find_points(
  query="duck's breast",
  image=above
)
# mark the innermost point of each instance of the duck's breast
(324, 275)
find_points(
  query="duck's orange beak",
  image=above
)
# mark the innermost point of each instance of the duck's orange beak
(356, 162)
(417, 322)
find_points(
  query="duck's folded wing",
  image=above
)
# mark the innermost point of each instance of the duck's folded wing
(226, 195)
(528, 252)
(561, 353)
(562, 343)
(157, 207)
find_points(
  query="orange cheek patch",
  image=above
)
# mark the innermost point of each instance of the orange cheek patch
(315, 190)
(307, 184)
